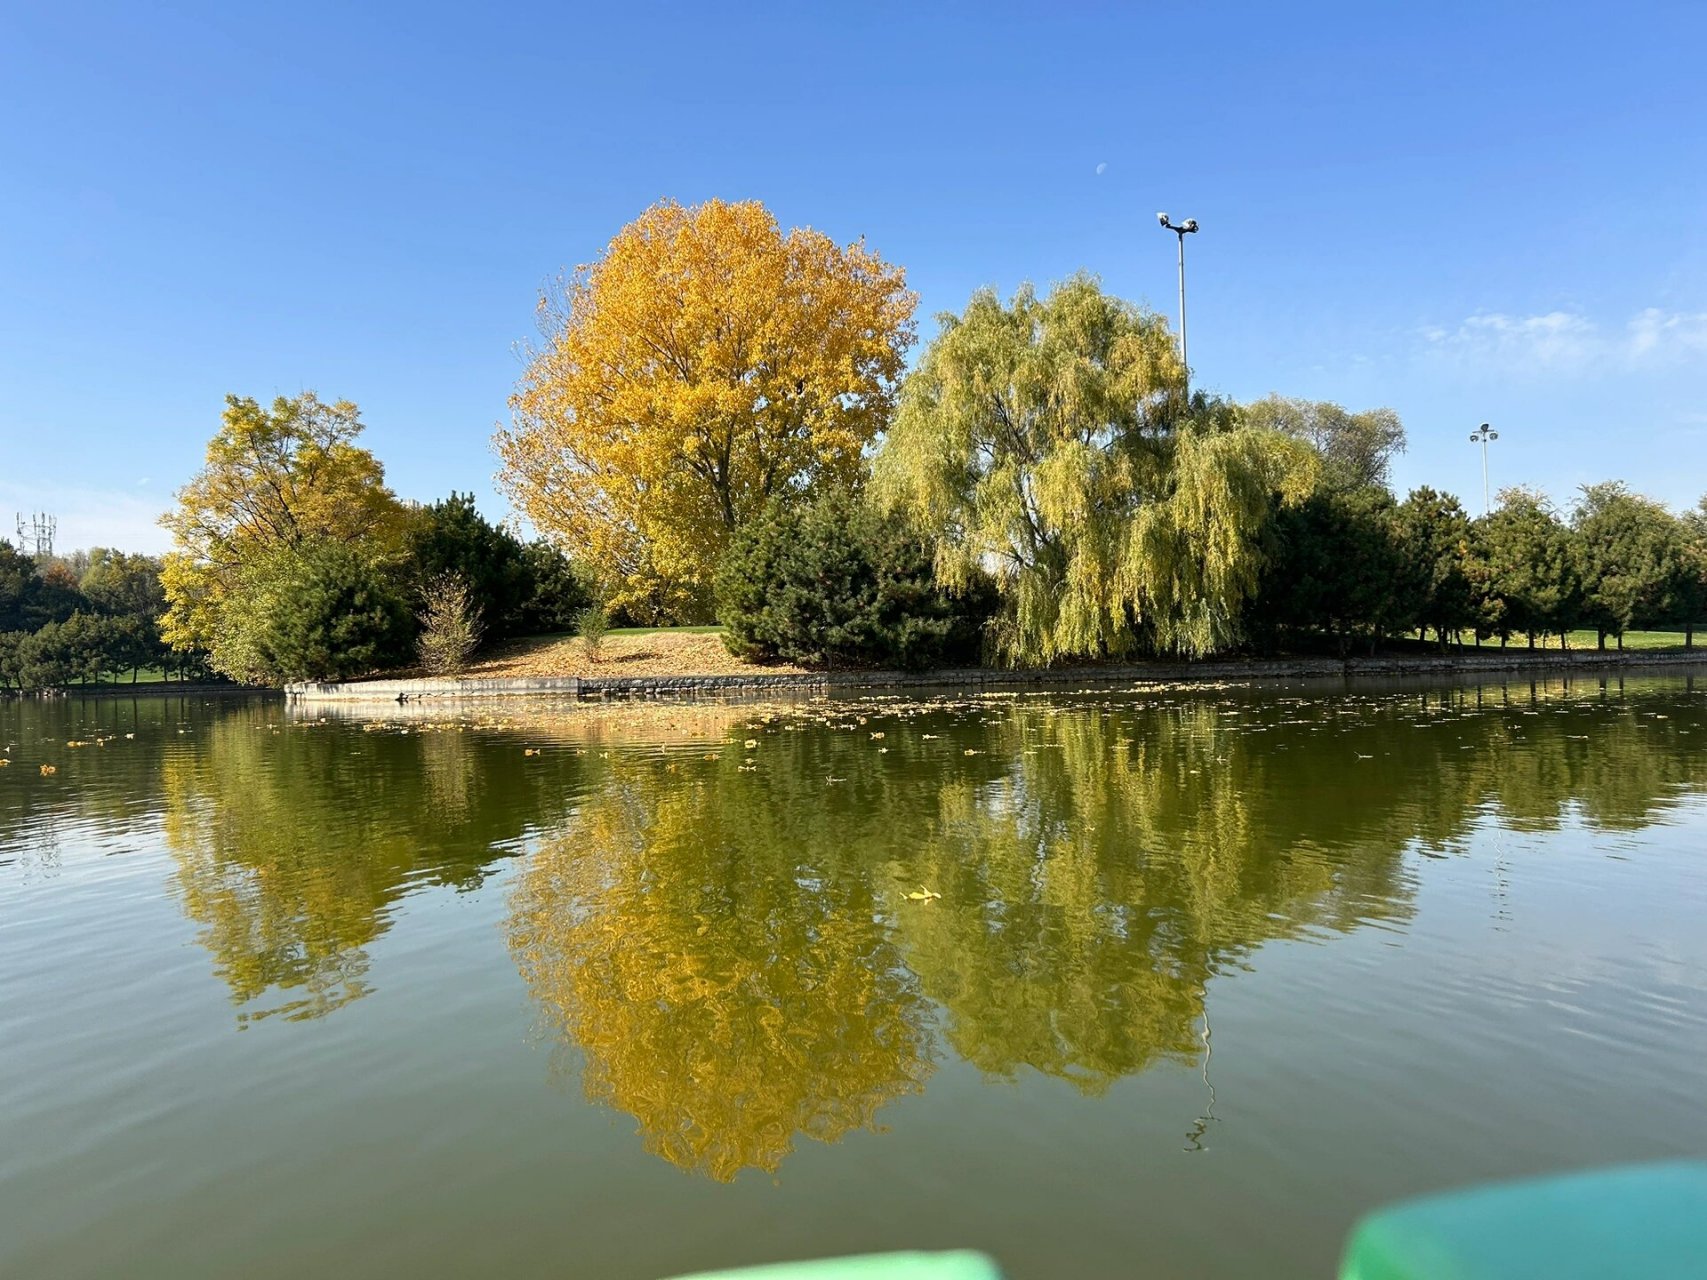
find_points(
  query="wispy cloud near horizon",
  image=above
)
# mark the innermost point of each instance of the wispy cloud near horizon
(1567, 342)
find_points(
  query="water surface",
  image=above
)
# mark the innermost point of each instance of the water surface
(563, 991)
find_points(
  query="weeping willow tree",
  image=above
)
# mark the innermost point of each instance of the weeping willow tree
(1051, 443)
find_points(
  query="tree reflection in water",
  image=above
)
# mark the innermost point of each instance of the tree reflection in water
(727, 949)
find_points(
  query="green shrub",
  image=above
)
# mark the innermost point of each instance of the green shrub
(450, 625)
(319, 611)
(557, 591)
(592, 623)
(833, 583)
(452, 537)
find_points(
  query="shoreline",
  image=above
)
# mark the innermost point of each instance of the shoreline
(597, 688)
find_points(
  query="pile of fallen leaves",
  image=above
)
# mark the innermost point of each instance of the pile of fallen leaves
(655, 653)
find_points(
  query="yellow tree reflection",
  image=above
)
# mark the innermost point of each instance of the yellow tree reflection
(721, 967)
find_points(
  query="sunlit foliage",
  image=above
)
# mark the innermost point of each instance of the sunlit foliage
(725, 1003)
(1049, 442)
(274, 478)
(708, 362)
(1356, 448)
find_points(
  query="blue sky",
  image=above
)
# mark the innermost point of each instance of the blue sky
(1465, 212)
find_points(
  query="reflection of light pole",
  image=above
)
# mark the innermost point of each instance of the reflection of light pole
(1483, 434)
(1184, 229)
(1194, 1139)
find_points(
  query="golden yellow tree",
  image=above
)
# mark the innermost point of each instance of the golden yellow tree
(706, 363)
(274, 478)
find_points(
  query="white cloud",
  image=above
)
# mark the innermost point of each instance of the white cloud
(1567, 341)
(88, 517)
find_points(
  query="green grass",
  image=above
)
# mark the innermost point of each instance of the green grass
(664, 631)
(1634, 640)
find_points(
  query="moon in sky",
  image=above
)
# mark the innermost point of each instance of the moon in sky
(1102, 168)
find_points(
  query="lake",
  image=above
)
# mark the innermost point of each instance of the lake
(1176, 981)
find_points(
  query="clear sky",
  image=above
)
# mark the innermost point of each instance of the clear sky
(1466, 212)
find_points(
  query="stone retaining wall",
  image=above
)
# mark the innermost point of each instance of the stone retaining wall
(577, 687)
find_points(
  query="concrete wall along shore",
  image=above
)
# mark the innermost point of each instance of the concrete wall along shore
(582, 687)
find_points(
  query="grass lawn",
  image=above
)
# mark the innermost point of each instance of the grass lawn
(1632, 640)
(665, 631)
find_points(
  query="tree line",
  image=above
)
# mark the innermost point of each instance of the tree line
(747, 445)
(84, 618)
(718, 423)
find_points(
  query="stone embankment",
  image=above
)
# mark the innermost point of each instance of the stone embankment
(1491, 661)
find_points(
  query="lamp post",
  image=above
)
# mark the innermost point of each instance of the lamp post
(1481, 435)
(1182, 230)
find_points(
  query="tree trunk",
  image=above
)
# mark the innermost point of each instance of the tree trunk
(1531, 639)
(1620, 642)
(1600, 640)
(1689, 635)
(1564, 640)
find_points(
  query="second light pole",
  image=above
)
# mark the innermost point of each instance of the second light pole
(1182, 230)
(1481, 435)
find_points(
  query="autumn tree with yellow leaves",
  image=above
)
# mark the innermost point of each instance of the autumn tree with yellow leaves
(707, 363)
(276, 480)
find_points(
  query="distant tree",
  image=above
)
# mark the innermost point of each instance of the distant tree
(1434, 540)
(1688, 590)
(1532, 566)
(125, 584)
(1046, 440)
(452, 537)
(1356, 448)
(12, 645)
(706, 364)
(275, 480)
(834, 583)
(1632, 551)
(18, 583)
(318, 610)
(55, 596)
(1336, 566)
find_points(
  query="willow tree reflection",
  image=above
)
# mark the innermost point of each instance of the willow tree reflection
(1091, 892)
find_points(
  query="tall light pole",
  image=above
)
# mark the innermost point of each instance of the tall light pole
(1481, 435)
(1184, 229)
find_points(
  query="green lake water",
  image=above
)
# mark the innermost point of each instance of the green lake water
(542, 991)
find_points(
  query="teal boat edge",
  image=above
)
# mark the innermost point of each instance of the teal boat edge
(957, 1264)
(1644, 1221)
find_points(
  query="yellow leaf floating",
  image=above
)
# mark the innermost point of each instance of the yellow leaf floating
(922, 894)
(48, 768)
(530, 751)
(752, 744)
